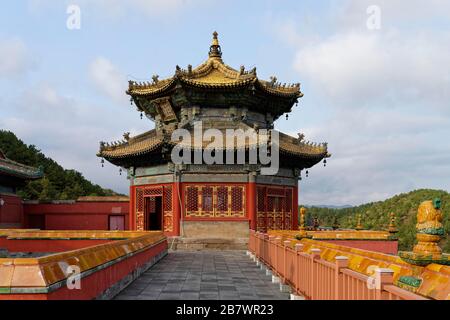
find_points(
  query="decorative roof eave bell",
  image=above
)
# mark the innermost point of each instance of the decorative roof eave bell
(215, 50)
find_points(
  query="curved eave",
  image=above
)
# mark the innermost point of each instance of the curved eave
(21, 175)
(155, 91)
(293, 93)
(150, 90)
(113, 154)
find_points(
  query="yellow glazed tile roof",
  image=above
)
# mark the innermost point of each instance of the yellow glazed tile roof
(213, 73)
(149, 142)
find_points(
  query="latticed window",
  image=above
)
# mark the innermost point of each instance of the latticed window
(207, 199)
(153, 191)
(139, 200)
(167, 199)
(222, 199)
(192, 199)
(261, 196)
(237, 199)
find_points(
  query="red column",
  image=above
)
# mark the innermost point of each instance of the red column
(251, 200)
(132, 213)
(176, 207)
(295, 208)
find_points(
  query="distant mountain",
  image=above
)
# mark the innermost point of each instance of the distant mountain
(376, 215)
(330, 206)
(58, 183)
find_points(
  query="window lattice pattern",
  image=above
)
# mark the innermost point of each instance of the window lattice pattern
(274, 208)
(215, 201)
(237, 200)
(207, 199)
(167, 199)
(192, 199)
(261, 196)
(139, 200)
(222, 200)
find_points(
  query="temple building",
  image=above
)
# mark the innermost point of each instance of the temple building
(197, 199)
(12, 176)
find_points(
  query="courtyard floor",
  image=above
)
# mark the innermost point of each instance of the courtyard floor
(204, 275)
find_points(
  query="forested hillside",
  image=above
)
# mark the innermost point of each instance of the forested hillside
(58, 183)
(376, 215)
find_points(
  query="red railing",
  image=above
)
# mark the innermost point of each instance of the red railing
(314, 278)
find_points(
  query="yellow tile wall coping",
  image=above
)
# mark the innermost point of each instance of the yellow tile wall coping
(435, 278)
(337, 234)
(72, 234)
(46, 271)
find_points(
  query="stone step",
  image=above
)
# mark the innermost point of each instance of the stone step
(198, 244)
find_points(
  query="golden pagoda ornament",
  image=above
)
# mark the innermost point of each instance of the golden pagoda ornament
(392, 228)
(359, 226)
(430, 231)
(302, 228)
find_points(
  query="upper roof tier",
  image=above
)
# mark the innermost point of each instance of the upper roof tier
(215, 76)
(18, 170)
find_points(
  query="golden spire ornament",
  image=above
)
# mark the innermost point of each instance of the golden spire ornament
(392, 227)
(215, 50)
(302, 226)
(359, 226)
(430, 230)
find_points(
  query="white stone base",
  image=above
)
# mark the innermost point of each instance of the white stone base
(296, 297)
(285, 288)
(275, 279)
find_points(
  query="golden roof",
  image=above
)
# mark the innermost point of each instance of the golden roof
(150, 141)
(214, 74)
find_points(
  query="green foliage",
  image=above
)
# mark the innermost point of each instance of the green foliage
(58, 183)
(375, 216)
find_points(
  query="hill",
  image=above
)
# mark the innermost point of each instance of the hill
(376, 215)
(58, 183)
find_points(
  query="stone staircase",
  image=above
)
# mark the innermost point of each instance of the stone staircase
(199, 244)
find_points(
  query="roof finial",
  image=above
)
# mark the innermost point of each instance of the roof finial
(215, 51)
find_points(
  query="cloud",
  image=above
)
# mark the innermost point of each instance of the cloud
(383, 101)
(69, 129)
(360, 68)
(14, 58)
(108, 80)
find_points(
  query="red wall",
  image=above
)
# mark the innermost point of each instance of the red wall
(77, 216)
(11, 212)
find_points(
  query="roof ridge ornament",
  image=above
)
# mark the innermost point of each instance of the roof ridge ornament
(215, 50)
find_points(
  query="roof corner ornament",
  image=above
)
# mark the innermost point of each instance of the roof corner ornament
(178, 70)
(126, 136)
(273, 81)
(215, 50)
(301, 137)
(102, 145)
(242, 71)
(155, 79)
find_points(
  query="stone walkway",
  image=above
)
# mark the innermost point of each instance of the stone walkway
(204, 275)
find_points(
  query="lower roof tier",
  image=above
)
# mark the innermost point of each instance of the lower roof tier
(153, 147)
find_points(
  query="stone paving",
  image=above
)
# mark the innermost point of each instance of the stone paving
(204, 275)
